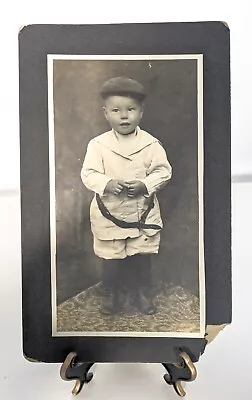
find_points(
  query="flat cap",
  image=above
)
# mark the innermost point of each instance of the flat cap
(121, 85)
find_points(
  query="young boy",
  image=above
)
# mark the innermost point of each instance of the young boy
(125, 167)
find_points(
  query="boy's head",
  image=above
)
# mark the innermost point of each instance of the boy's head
(123, 103)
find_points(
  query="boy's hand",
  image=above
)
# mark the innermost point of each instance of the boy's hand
(114, 186)
(135, 188)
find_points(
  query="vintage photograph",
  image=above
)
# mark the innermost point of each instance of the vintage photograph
(126, 195)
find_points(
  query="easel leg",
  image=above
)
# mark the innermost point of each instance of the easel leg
(183, 371)
(71, 370)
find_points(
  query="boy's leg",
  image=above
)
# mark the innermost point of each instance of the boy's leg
(141, 248)
(127, 273)
(112, 252)
(109, 273)
(111, 304)
(142, 282)
(143, 271)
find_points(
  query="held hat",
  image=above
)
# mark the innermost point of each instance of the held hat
(122, 86)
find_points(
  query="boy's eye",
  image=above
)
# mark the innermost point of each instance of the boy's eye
(115, 110)
(131, 108)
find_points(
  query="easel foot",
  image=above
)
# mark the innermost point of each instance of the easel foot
(72, 370)
(183, 371)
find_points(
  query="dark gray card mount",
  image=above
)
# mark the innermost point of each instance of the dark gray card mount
(177, 355)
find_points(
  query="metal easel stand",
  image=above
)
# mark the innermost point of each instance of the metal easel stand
(184, 370)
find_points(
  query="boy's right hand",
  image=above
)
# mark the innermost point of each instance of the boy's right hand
(114, 186)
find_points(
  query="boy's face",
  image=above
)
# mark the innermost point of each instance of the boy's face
(123, 113)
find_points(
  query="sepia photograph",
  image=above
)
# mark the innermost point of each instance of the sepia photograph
(126, 195)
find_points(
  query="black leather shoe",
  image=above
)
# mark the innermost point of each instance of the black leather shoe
(144, 304)
(112, 304)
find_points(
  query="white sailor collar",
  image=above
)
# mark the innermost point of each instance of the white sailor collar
(110, 140)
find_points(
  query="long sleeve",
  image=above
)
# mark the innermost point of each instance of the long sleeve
(92, 173)
(159, 171)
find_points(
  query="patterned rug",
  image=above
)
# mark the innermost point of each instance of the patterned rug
(177, 311)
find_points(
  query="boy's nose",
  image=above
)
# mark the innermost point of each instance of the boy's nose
(124, 115)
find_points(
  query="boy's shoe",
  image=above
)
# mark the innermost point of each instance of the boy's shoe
(144, 304)
(112, 304)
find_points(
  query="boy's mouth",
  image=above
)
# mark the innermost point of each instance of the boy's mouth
(125, 124)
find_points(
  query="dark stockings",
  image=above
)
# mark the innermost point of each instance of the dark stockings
(133, 274)
(110, 273)
(136, 272)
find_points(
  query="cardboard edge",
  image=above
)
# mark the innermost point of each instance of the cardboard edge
(212, 331)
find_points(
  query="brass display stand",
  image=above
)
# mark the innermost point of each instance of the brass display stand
(183, 370)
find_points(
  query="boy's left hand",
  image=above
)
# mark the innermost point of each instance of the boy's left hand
(135, 188)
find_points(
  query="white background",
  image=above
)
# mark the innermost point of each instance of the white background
(224, 370)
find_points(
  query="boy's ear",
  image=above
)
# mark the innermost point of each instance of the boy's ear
(142, 109)
(105, 112)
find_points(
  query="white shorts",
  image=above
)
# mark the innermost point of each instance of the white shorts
(121, 248)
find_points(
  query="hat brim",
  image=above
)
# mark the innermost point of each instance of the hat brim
(134, 95)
